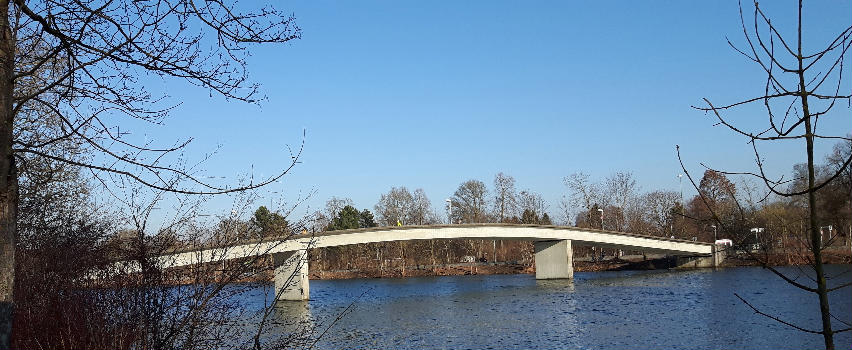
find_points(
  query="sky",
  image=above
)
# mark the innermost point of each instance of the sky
(431, 94)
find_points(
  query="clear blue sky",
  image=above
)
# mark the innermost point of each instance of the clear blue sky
(430, 94)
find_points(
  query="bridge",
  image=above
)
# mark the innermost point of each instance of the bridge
(553, 254)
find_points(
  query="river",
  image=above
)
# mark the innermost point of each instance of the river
(685, 309)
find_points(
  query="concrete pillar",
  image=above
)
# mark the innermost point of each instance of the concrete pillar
(719, 254)
(291, 275)
(553, 259)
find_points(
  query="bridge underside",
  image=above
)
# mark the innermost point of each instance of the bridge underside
(553, 244)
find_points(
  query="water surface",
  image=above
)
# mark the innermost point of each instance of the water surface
(687, 309)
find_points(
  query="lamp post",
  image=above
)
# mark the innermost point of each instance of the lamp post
(449, 210)
(601, 211)
(714, 233)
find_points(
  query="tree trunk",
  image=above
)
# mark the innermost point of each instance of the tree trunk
(402, 251)
(816, 241)
(432, 246)
(493, 250)
(8, 180)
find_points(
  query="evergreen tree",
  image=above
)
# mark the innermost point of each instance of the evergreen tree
(366, 219)
(269, 223)
(545, 220)
(529, 217)
(348, 218)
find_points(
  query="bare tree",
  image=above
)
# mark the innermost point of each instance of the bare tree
(469, 204)
(505, 201)
(836, 159)
(334, 205)
(395, 206)
(533, 202)
(659, 210)
(583, 194)
(318, 222)
(71, 79)
(74, 290)
(800, 89)
(620, 189)
(421, 209)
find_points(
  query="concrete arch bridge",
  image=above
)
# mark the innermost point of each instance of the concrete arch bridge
(553, 254)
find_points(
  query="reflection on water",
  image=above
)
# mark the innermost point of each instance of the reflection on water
(693, 309)
(292, 314)
(563, 285)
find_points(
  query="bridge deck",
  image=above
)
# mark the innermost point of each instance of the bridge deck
(580, 236)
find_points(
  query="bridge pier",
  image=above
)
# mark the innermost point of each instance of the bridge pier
(291, 275)
(554, 259)
(720, 252)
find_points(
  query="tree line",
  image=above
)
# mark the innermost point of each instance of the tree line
(753, 220)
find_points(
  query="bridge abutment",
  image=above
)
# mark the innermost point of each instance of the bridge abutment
(715, 259)
(720, 252)
(554, 259)
(291, 275)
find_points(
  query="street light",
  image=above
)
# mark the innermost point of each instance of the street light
(449, 210)
(601, 211)
(714, 233)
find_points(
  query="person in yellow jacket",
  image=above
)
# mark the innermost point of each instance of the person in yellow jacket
(398, 223)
